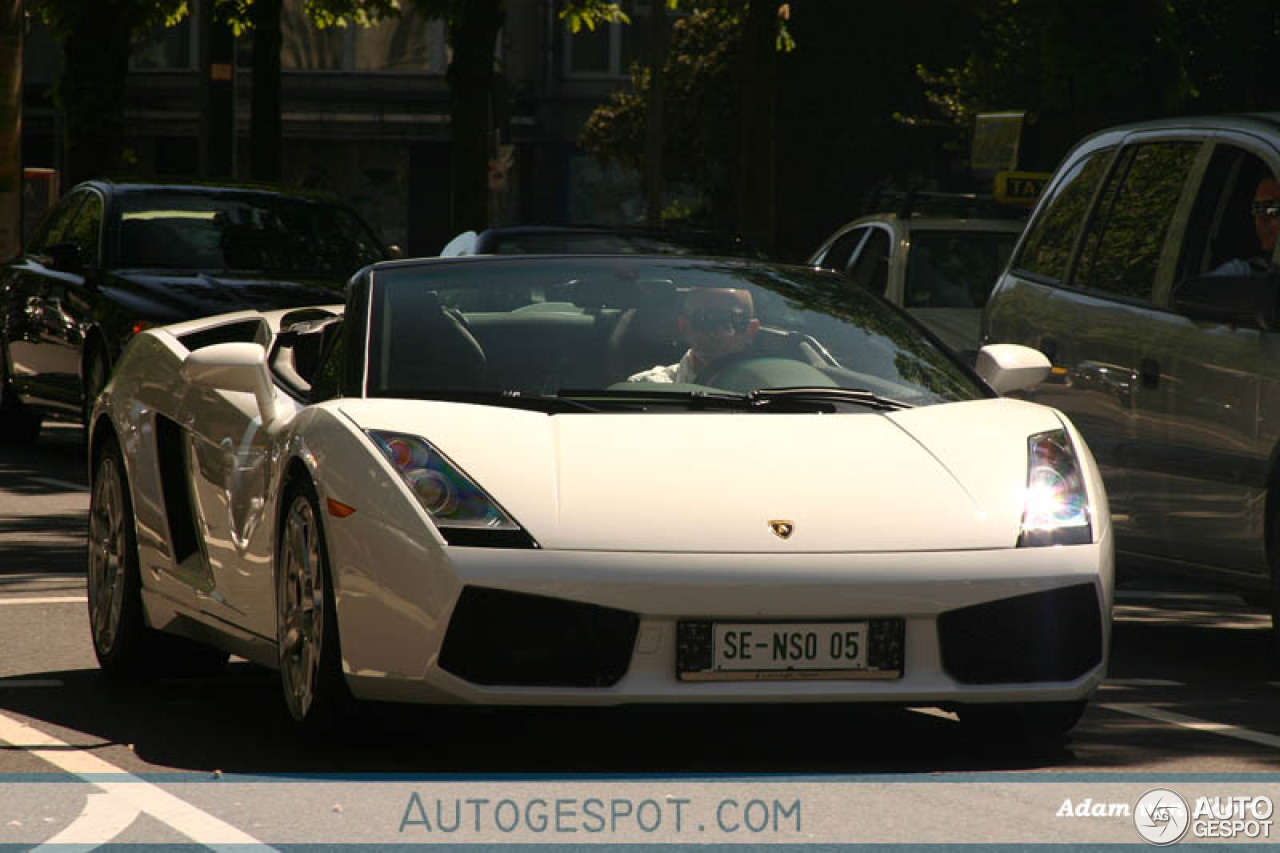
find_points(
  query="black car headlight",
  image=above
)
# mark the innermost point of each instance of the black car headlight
(462, 511)
(1055, 504)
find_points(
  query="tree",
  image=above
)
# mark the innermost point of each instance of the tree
(97, 37)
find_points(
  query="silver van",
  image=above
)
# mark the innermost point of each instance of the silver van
(1146, 274)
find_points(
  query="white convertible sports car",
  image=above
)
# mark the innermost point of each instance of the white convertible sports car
(595, 480)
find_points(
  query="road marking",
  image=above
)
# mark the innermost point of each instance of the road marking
(1141, 682)
(130, 794)
(103, 817)
(1176, 719)
(61, 484)
(6, 684)
(47, 599)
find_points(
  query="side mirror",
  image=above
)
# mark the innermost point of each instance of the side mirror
(1243, 300)
(234, 367)
(64, 257)
(1011, 367)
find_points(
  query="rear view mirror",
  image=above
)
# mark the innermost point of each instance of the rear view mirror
(1243, 300)
(64, 257)
(234, 367)
(1011, 367)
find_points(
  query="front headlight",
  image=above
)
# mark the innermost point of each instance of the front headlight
(462, 511)
(1055, 506)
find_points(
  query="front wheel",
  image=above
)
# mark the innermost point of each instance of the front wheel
(121, 639)
(315, 691)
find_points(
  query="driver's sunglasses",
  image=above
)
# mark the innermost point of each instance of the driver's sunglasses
(708, 322)
(1269, 209)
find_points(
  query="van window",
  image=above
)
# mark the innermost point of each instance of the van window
(1051, 237)
(1221, 228)
(1127, 231)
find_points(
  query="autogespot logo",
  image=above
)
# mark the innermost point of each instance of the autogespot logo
(1161, 816)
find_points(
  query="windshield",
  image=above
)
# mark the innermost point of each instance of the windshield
(955, 269)
(242, 232)
(631, 325)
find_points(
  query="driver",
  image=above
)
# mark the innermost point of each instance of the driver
(714, 322)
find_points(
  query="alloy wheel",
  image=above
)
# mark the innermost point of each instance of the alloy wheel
(300, 598)
(107, 541)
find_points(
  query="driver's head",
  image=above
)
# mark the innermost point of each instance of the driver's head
(1266, 213)
(717, 322)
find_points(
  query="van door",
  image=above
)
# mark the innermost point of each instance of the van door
(1207, 390)
(1122, 261)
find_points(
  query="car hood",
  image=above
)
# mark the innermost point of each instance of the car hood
(181, 296)
(937, 478)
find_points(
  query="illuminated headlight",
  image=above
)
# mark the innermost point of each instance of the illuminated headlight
(1055, 507)
(459, 507)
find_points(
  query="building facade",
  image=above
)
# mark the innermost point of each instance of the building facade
(365, 115)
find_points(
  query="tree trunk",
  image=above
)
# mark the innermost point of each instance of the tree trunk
(757, 217)
(474, 33)
(266, 134)
(654, 170)
(91, 89)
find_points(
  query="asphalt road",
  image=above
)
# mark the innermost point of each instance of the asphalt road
(1192, 690)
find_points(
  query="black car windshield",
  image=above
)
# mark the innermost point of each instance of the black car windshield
(624, 326)
(241, 232)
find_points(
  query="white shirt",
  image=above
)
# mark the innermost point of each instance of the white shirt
(680, 372)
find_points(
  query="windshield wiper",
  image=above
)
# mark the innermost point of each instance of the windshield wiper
(505, 399)
(824, 395)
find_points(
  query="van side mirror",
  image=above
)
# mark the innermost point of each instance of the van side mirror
(1011, 367)
(1243, 300)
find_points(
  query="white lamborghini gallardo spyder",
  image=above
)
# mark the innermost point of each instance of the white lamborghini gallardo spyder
(596, 480)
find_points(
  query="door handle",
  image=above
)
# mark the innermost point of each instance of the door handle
(1149, 373)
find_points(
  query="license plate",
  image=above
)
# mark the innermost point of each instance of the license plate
(789, 650)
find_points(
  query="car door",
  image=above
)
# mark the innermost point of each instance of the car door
(226, 453)
(1208, 402)
(24, 289)
(1124, 259)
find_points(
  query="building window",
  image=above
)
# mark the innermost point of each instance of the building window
(608, 51)
(167, 48)
(408, 43)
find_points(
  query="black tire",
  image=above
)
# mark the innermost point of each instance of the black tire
(315, 691)
(1022, 721)
(18, 422)
(123, 643)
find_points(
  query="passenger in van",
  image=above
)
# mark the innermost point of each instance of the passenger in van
(714, 322)
(1266, 224)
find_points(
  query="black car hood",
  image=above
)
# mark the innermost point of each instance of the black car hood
(175, 296)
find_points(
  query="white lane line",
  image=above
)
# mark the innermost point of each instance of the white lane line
(1176, 719)
(103, 817)
(47, 599)
(61, 484)
(1141, 682)
(132, 793)
(6, 684)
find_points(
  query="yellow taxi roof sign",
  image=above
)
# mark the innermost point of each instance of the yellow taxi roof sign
(1020, 187)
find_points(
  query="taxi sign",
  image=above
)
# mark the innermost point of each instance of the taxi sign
(1020, 187)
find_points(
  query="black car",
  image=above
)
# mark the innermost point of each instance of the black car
(112, 258)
